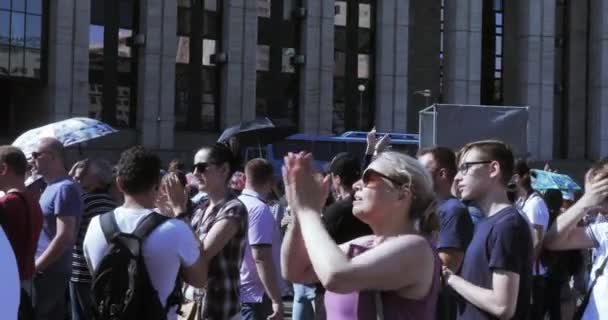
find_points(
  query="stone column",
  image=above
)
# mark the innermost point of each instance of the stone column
(60, 59)
(239, 42)
(576, 108)
(598, 80)
(423, 57)
(156, 73)
(391, 72)
(536, 72)
(462, 51)
(80, 78)
(316, 75)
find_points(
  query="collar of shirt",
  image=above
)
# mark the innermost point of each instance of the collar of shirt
(251, 193)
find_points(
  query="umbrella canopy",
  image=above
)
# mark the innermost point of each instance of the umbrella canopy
(544, 180)
(260, 131)
(69, 132)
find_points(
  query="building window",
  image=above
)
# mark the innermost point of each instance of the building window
(491, 61)
(277, 85)
(353, 65)
(113, 62)
(21, 34)
(196, 72)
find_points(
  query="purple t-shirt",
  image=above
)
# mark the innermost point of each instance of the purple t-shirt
(262, 231)
(361, 305)
(62, 197)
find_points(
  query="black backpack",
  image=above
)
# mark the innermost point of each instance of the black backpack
(121, 287)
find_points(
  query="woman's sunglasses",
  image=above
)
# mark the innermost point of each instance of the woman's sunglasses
(369, 172)
(201, 166)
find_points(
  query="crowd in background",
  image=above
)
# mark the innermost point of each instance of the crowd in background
(450, 234)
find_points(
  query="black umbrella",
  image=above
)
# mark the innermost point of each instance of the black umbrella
(257, 132)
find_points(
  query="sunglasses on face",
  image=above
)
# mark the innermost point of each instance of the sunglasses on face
(36, 154)
(370, 172)
(201, 166)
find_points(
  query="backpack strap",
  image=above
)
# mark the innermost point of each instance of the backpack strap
(109, 226)
(148, 224)
(598, 273)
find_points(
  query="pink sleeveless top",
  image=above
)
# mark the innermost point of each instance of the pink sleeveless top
(361, 305)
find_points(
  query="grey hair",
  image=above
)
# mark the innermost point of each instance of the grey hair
(415, 177)
(102, 170)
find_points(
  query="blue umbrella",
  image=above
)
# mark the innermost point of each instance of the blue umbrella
(69, 132)
(543, 180)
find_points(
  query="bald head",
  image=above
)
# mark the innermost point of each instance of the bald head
(49, 158)
(52, 145)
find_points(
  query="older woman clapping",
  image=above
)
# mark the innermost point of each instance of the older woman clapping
(392, 274)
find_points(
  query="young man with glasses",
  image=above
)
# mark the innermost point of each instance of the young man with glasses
(496, 274)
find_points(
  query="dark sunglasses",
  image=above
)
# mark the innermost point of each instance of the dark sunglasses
(369, 172)
(36, 155)
(201, 166)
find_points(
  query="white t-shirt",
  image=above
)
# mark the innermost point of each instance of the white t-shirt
(169, 247)
(9, 279)
(598, 302)
(535, 211)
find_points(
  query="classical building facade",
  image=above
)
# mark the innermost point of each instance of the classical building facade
(171, 74)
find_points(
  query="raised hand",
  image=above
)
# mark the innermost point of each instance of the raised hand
(383, 143)
(177, 198)
(304, 192)
(596, 188)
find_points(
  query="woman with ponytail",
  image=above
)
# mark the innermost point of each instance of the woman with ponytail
(391, 274)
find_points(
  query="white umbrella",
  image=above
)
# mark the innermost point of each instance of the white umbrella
(69, 132)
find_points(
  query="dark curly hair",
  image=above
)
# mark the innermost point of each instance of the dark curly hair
(138, 170)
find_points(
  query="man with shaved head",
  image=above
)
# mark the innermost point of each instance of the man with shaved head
(62, 207)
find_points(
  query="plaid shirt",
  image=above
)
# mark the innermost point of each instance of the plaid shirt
(221, 299)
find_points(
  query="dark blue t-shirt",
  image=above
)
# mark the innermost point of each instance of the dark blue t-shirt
(501, 242)
(455, 233)
(456, 226)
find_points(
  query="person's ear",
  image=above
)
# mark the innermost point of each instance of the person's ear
(495, 169)
(120, 185)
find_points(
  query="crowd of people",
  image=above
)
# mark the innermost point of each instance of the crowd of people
(448, 234)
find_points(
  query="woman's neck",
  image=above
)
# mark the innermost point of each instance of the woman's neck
(217, 196)
(392, 228)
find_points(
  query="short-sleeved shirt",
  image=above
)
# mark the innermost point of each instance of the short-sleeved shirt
(535, 211)
(9, 279)
(455, 232)
(341, 223)
(22, 224)
(598, 301)
(456, 226)
(62, 197)
(262, 231)
(221, 298)
(167, 248)
(501, 242)
(95, 203)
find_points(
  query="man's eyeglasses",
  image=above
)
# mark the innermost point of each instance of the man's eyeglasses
(201, 166)
(465, 166)
(369, 172)
(36, 155)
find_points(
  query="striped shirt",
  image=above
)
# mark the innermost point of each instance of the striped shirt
(95, 203)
